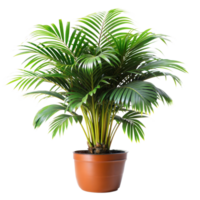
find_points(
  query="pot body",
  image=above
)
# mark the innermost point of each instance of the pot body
(99, 173)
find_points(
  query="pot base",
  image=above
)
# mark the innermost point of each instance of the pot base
(103, 193)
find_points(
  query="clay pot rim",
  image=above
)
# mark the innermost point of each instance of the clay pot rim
(76, 152)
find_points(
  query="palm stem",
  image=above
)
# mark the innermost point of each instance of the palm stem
(86, 120)
(91, 124)
(113, 135)
(97, 124)
(109, 135)
(85, 134)
(84, 131)
(105, 122)
(108, 121)
(102, 122)
(94, 116)
(114, 129)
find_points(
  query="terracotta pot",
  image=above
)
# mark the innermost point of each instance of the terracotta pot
(99, 172)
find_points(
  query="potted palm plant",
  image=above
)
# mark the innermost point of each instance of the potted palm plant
(102, 69)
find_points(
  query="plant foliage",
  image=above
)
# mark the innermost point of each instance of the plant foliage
(102, 67)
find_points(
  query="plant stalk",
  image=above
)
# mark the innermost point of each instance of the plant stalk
(109, 135)
(108, 120)
(94, 116)
(105, 122)
(102, 116)
(90, 124)
(84, 131)
(86, 120)
(97, 124)
(113, 135)
(114, 129)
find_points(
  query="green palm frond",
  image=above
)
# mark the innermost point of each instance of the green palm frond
(139, 95)
(59, 48)
(28, 78)
(155, 74)
(97, 26)
(136, 45)
(60, 123)
(99, 67)
(131, 125)
(45, 113)
(48, 93)
(42, 99)
(163, 96)
(41, 56)
(101, 55)
(134, 51)
(132, 114)
(76, 99)
(161, 63)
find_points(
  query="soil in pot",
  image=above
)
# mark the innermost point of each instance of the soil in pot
(109, 152)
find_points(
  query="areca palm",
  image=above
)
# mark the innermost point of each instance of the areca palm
(100, 67)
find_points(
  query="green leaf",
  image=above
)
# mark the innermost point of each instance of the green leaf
(76, 41)
(72, 38)
(131, 125)
(45, 113)
(51, 93)
(138, 94)
(56, 30)
(61, 29)
(80, 46)
(97, 25)
(67, 32)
